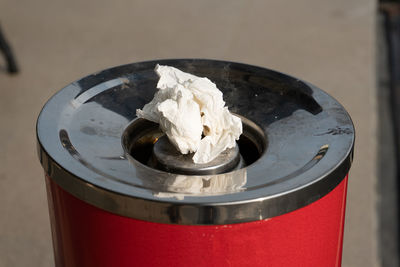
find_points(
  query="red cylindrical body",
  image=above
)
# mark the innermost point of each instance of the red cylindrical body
(84, 235)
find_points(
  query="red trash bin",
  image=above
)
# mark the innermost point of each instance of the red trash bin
(119, 196)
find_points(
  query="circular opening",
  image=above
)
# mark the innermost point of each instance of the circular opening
(140, 137)
(166, 157)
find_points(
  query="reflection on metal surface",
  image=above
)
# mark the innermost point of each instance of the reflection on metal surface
(96, 90)
(320, 154)
(183, 185)
(66, 143)
(336, 131)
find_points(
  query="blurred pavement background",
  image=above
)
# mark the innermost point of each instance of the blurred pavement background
(328, 43)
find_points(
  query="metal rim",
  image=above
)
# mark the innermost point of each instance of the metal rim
(231, 207)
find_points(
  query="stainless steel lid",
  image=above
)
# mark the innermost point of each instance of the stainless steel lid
(297, 146)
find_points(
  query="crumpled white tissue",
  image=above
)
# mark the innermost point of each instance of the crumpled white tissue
(187, 108)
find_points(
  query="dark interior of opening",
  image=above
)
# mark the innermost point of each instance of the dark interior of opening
(141, 135)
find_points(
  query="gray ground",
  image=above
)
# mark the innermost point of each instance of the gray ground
(328, 43)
